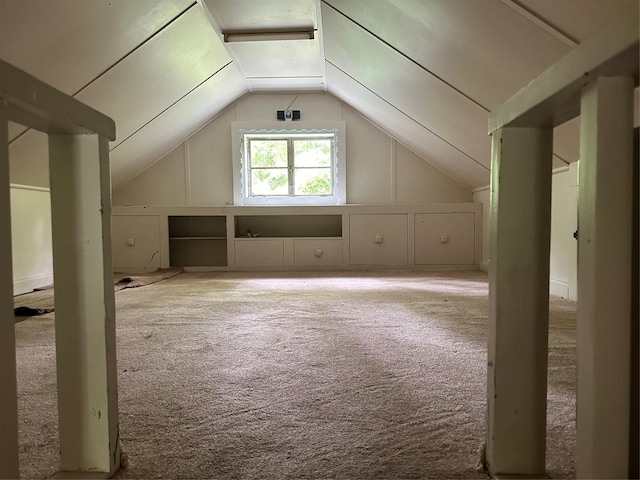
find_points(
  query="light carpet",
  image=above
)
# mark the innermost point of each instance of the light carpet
(371, 375)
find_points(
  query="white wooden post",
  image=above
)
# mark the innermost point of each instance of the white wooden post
(519, 300)
(84, 301)
(8, 392)
(604, 278)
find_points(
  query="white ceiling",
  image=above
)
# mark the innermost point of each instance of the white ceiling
(426, 71)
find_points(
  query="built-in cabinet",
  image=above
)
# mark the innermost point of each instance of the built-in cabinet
(329, 237)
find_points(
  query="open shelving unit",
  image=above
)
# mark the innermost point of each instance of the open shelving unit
(198, 240)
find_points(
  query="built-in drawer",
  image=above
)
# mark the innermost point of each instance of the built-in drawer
(445, 238)
(378, 239)
(317, 251)
(259, 252)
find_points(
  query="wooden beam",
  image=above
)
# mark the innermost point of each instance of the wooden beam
(32, 103)
(8, 392)
(85, 305)
(519, 301)
(554, 96)
(604, 279)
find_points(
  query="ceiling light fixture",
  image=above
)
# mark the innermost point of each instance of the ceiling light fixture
(307, 33)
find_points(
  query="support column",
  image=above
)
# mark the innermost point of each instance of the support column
(9, 391)
(519, 301)
(85, 307)
(604, 278)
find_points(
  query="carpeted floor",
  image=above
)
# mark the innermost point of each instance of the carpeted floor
(299, 375)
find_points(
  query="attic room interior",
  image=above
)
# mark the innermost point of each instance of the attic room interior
(370, 239)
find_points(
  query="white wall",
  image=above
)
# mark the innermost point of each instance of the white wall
(380, 170)
(483, 196)
(563, 275)
(564, 220)
(31, 238)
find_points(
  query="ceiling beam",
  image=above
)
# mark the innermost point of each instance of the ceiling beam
(35, 104)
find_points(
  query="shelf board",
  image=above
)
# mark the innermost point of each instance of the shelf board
(197, 238)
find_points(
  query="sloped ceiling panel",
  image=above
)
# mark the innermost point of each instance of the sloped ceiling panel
(68, 44)
(175, 124)
(157, 74)
(481, 48)
(425, 99)
(578, 19)
(443, 155)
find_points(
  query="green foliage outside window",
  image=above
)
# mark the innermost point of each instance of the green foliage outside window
(291, 166)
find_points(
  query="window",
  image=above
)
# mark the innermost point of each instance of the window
(291, 165)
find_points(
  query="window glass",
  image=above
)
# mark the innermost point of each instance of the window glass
(290, 165)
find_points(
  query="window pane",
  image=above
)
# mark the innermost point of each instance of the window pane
(268, 153)
(271, 181)
(312, 153)
(313, 181)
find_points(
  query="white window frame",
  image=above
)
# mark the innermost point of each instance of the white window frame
(240, 130)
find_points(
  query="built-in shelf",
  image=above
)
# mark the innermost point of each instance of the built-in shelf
(198, 240)
(288, 226)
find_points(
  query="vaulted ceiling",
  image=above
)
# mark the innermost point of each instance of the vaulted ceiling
(426, 71)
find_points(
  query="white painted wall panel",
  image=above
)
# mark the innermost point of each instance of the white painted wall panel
(378, 239)
(369, 155)
(29, 159)
(564, 221)
(484, 197)
(163, 183)
(369, 159)
(31, 238)
(209, 164)
(418, 181)
(263, 107)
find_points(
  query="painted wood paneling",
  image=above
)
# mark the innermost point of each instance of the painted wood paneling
(158, 74)
(580, 19)
(418, 181)
(459, 166)
(31, 238)
(68, 43)
(483, 48)
(368, 154)
(406, 86)
(174, 124)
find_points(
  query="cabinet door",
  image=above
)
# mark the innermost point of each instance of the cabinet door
(136, 242)
(316, 251)
(378, 239)
(259, 252)
(444, 239)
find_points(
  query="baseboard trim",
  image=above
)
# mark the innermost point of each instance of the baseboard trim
(25, 285)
